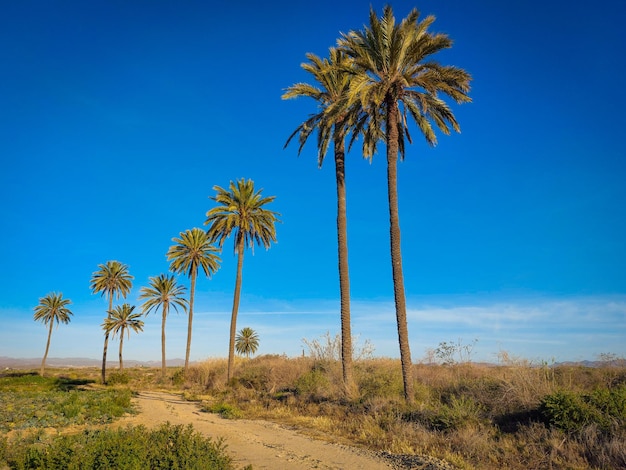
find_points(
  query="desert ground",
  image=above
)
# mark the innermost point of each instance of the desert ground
(261, 444)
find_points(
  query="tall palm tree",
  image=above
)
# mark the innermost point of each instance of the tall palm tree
(163, 292)
(240, 212)
(120, 320)
(113, 280)
(247, 341)
(333, 121)
(396, 78)
(52, 308)
(193, 250)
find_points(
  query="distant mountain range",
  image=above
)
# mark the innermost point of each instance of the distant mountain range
(35, 362)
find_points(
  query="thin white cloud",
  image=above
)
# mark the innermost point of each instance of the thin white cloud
(564, 328)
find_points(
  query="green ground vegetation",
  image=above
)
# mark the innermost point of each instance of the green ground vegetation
(58, 422)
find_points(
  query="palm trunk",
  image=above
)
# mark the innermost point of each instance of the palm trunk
(106, 343)
(396, 254)
(192, 292)
(45, 356)
(233, 318)
(344, 276)
(121, 344)
(163, 369)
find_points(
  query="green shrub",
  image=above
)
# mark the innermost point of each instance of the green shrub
(225, 410)
(381, 382)
(255, 377)
(457, 413)
(571, 411)
(167, 447)
(40, 409)
(178, 377)
(118, 378)
(313, 384)
(19, 381)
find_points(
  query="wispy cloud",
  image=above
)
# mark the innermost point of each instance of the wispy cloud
(562, 328)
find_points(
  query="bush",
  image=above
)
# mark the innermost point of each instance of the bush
(225, 410)
(380, 381)
(571, 411)
(167, 447)
(118, 378)
(40, 408)
(457, 414)
(313, 384)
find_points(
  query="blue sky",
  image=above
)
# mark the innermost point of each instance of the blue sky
(118, 118)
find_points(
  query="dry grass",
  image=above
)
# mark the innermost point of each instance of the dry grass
(473, 416)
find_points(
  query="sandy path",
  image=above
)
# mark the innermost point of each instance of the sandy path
(262, 444)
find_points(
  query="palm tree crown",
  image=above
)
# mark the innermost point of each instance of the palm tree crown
(163, 291)
(334, 118)
(53, 309)
(193, 251)
(112, 279)
(123, 319)
(240, 212)
(392, 66)
(247, 341)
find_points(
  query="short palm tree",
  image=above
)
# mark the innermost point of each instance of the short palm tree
(193, 251)
(247, 342)
(396, 78)
(333, 122)
(52, 308)
(163, 292)
(113, 280)
(240, 212)
(120, 320)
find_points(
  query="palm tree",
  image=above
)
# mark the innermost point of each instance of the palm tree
(52, 308)
(122, 319)
(193, 250)
(240, 212)
(395, 78)
(163, 292)
(247, 341)
(113, 280)
(333, 121)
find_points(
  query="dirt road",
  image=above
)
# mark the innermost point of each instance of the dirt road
(262, 444)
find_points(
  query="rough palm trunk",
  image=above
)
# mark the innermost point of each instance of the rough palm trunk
(233, 318)
(163, 369)
(344, 277)
(121, 345)
(106, 343)
(45, 356)
(192, 291)
(396, 254)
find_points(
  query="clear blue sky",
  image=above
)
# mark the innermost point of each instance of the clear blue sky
(118, 117)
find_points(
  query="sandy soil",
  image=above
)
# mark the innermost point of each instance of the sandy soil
(262, 444)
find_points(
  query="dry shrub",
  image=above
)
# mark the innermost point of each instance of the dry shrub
(207, 375)
(472, 415)
(602, 449)
(379, 378)
(272, 373)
